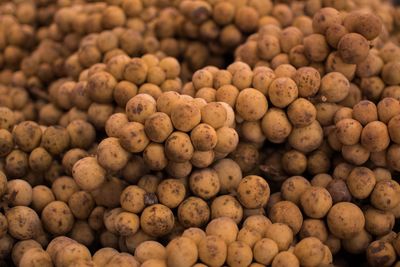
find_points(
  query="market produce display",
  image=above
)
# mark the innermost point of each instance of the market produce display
(199, 133)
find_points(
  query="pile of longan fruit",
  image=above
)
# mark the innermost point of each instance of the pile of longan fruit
(199, 133)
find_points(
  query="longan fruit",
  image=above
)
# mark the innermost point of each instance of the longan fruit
(103, 255)
(316, 202)
(253, 191)
(113, 16)
(338, 190)
(6, 142)
(226, 206)
(285, 259)
(318, 162)
(321, 180)
(288, 213)
(393, 154)
(348, 131)
(283, 14)
(385, 195)
(81, 204)
(57, 218)
(132, 199)
(158, 127)
(171, 192)
(88, 173)
(268, 46)
(40, 160)
(55, 139)
(378, 222)
(23, 223)
(123, 92)
(309, 251)
(179, 169)
(170, 66)
(21, 247)
(353, 48)
(8, 118)
(35, 257)
(82, 134)
(193, 212)
(27, 135)
(365, 111)
(281, 234)
(360, 182)
(110, 154)
(301, 112)
(257, 222)
(324, 18)
(154, 263)
(214, 114)
(252, 132)
(114, 123)
(19, 192)
(229, 174)
(223, 227)
(314, 228)
(185, 116)
(242, 78)
(126, 223)
(204, 183)
(282, 129)
(70, 253)
(150, 250)
(293, 187)
(133, 138)
(157, 220)
(195, 234)
(246, 102)
(389, 73)
(202, 159)
(334, 87)
(282, 92)
(334, 63)
(227, 93)
(178, 147)
(308, 81)
(315, 47)
(355, 154)
(239, 254)
(181, 252)
(3, 225)
(306, 139)
(228, 140)
(212, 251)
(358, 243)
(16, 164)
(375, 136)
(203, 137)
(7, 243)
(100, 87)
(367, 24)
(202, 78)
(41, 196)
(140, 107)
(393, 125)
(82, 233)
(109, 218)
(334, 32)
(63, 187)
(345, 220)
(265, 250)
(380, 253)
